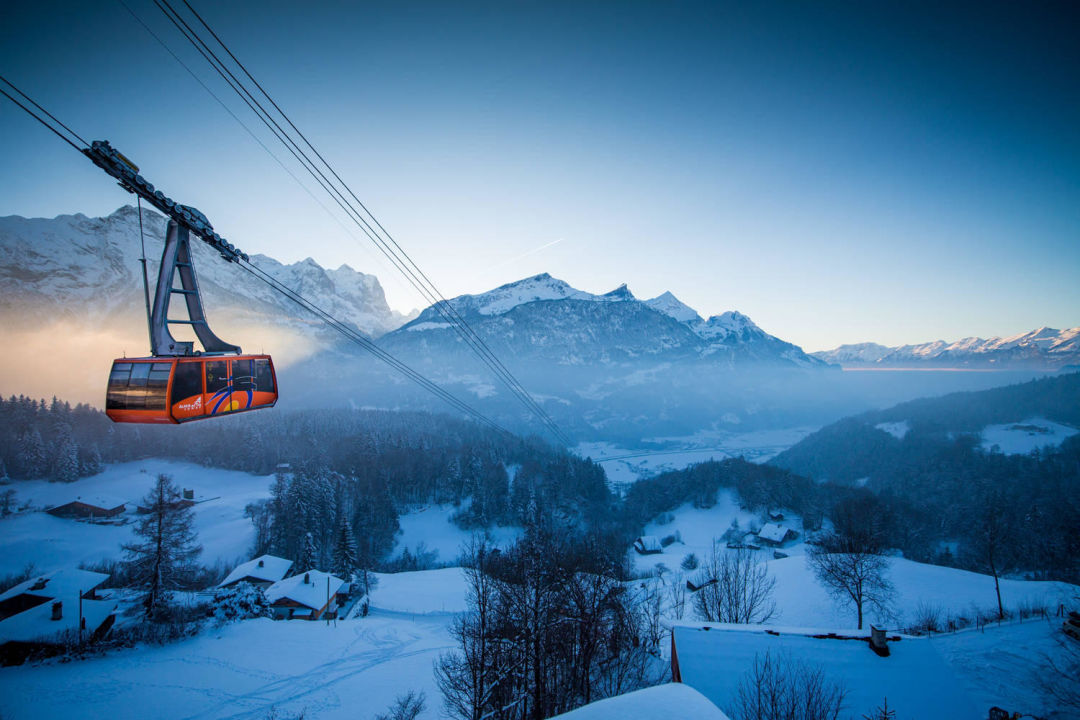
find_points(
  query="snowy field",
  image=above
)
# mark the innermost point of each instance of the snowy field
(34, 536)
(626, 465)
(51, 543)
(1023, 437)
(433, 527)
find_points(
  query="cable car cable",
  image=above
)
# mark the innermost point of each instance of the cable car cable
(407, 267)
(327, 318)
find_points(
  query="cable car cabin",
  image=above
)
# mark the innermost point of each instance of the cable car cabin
(180, 389)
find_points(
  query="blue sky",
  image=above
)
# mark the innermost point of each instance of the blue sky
(841, 173)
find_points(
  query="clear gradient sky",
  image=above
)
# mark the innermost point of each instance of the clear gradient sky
(839, 172)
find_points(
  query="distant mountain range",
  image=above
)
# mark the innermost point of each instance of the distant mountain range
(604, 365)
(1042, 349)
(543, 319)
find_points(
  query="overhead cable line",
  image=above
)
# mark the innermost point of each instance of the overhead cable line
(329, 319)
(380, 237)
(40, 119)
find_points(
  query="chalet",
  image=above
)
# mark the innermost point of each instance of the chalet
(304, 597)
(713, 658)
(776, 516)
(51, 610)
(89, 508)
(40, 589)
(673, 701)
(262, 572)
(648, 545)
(775, 535)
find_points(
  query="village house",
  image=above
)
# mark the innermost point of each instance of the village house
(714, 659)
(53, 609)
(307, 596)
(261, 572)
(89, 508)
(775, 535)
(672, 701)
(648, 545)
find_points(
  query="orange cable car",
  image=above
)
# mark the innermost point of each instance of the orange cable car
(163, 390)
(178, 384)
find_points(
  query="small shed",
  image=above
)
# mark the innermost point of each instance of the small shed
(648, 545)
(775, 535)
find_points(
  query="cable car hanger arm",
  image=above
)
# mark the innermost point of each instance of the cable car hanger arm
(106, 157)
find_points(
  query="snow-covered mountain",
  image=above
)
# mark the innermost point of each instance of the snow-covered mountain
(1045, 348)
(544, 318)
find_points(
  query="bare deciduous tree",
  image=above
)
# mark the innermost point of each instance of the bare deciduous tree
(779, 688)
(853, 571)
(405, 707)
(742, 591)
(1060, 678)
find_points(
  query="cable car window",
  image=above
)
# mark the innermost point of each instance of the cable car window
(157, 382)
(216, 376)
(243, 375)
(115, 397)
(264, 379)
(188, 381)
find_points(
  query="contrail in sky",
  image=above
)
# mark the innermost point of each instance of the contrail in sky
(524, 255)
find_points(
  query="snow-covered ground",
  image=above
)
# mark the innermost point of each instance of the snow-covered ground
(433, 527)
(51, 543)
(1023, 437)
(897, 429)
(697, 528)
(627, 465)
(421, 593)
(352, 670)
(226, 535)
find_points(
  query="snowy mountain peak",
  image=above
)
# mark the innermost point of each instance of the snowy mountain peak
(620, 293)
(671, 306)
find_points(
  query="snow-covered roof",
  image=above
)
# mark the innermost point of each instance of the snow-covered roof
(105, 502)
(674, 701)
(714, 658)
(37, 623)
(773, 532)
(264, 567)
(650, 543)
(58, 584)
(312, 593)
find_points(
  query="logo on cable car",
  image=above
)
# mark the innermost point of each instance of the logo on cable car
(193, 404)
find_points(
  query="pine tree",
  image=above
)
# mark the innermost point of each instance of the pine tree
(65, 466)
(166, 548)
(346, 557)
(306, 560)
(32, 460)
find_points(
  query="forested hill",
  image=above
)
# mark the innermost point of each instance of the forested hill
(880, 441)
(1002, 463)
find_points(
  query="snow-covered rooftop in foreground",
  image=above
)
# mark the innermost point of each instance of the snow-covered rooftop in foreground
(310, 589)
(1023, 437)
(266, 567)
(714, 659)
(674, 701)
(37, 623)
(58, 584)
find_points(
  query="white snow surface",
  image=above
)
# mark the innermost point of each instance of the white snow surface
(423, 592)
(50, 542)
(673, 701)
(914, 678)
(432, 526)
(897, 429)
(1025, 436)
